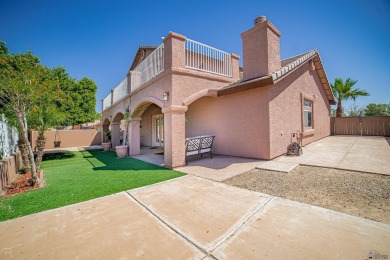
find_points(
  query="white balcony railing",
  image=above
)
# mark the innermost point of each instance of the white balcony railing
(148, 68)
(120, 91)
(107, 102)
(206, 58)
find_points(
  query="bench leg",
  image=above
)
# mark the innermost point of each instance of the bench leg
(211, 154)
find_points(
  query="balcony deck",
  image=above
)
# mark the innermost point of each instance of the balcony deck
(198, 57)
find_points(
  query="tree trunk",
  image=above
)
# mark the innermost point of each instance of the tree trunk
(22, 121)
(339, 111)
(40, 145)
(24, 154)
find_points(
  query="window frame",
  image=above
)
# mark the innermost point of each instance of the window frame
(308, 109)
(307, 98)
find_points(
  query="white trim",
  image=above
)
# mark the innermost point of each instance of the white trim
(156, 142)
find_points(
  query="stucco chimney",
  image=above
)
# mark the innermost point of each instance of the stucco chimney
(261, 49)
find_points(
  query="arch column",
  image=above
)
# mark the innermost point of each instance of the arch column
(174, 136)
(115, 134)
(134, 136)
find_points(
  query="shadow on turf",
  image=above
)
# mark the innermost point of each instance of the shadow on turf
(58, 156)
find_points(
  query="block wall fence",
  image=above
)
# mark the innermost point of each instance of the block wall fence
(69, 138)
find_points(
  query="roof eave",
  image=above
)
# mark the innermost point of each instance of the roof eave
(247, 85)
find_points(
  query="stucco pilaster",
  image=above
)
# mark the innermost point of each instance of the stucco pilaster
(174, 136)
(115, 134)
(174, 51)
(235, 66)
(134, 136)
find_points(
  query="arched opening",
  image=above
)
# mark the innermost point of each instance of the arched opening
(106, 134)
(146, 133)
(117, 129)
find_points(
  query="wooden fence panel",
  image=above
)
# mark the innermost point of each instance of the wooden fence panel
(369, 125)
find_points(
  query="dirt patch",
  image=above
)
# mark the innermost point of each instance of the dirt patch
(22, 183)
(360, 194)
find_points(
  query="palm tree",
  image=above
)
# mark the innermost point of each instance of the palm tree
(41, 120)
(343, 90)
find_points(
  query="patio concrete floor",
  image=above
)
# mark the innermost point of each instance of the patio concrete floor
(358, 153)
(192, 218)
(220, 167)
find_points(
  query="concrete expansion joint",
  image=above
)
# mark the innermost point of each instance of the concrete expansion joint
(205, 178)
(167, 224)
(242, 224)
(345, 155)
(158, 183)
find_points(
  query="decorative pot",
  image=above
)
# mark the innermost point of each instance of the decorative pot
(106, 146)
(121, 151)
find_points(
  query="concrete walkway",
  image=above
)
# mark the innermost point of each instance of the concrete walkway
(220, 168)
(192, 218)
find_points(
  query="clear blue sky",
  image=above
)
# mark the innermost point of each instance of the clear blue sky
(98, 39)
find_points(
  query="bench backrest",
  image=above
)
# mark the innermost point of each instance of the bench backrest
(198, 143)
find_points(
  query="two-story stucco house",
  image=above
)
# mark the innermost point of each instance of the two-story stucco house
(183, 88)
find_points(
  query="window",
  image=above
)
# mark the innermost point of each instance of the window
(307, 114)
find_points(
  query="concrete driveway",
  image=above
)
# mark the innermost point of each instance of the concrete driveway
(359, 153)
(192, 218)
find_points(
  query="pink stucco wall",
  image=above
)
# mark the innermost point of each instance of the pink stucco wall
(286, 109)
(239, 122)
(258, 123)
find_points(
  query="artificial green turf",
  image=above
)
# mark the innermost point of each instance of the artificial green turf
(79, 176)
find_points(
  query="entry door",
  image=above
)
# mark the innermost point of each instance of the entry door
(158, 130)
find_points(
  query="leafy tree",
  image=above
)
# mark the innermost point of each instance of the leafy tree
(355, 110)
(333, 112)
(3, 48)
(343, 90)
(23, 83)
(79, 98)
(373, 109)
(98, 116)
(86, 104)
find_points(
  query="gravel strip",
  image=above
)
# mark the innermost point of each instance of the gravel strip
(361, 194)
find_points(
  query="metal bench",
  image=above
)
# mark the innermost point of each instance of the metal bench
(199, 145)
